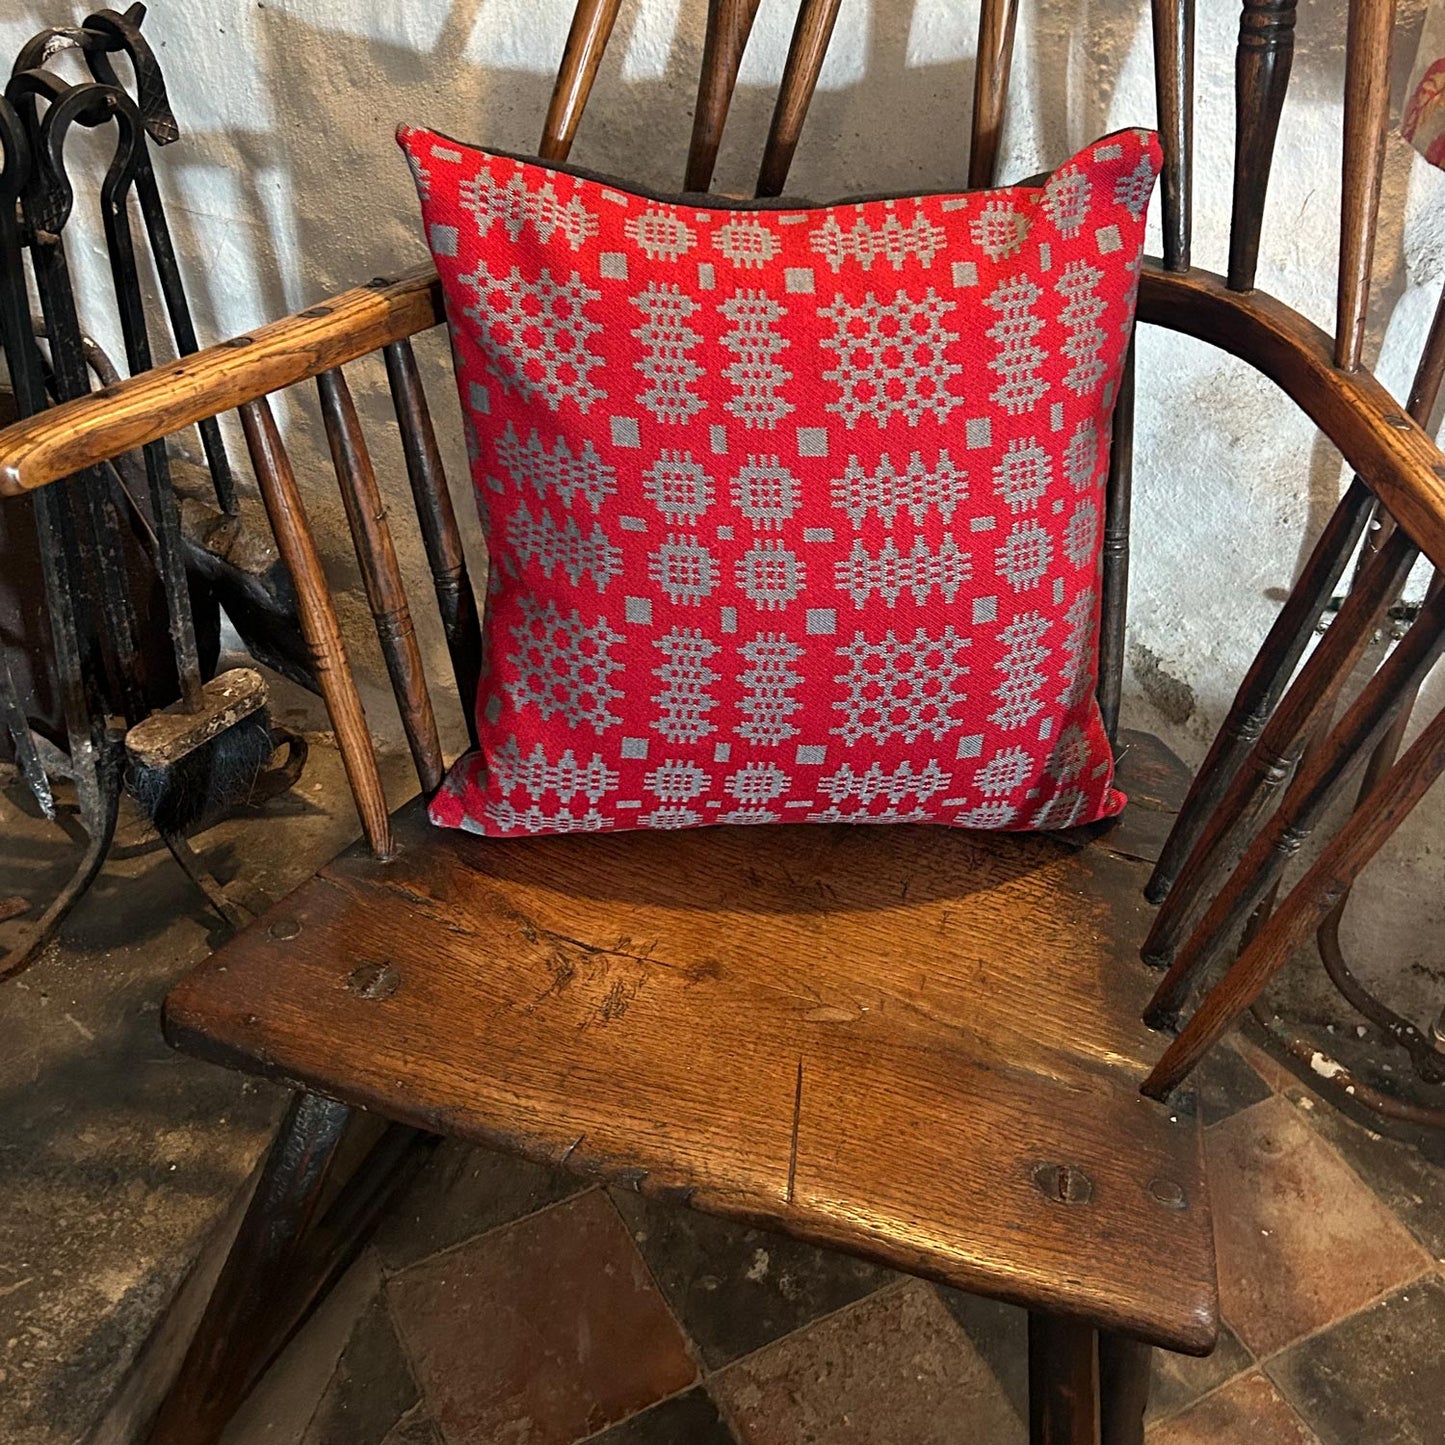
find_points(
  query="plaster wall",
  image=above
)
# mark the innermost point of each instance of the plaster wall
(287, 186)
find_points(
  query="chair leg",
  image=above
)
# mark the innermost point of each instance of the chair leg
(1124, 1366)
(1063, 1381)
(221, 1362)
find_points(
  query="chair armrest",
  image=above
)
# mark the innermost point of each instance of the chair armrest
(117, 419)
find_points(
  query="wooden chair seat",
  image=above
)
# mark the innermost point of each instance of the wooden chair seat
(917, 1044)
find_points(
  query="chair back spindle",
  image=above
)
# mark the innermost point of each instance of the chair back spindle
(729, 23)
(1262, 64)
(997, 21)
(1114, 580)
(1174, 96)
(381, 575)
(1367, 115)
(806, 53)
(592, 24)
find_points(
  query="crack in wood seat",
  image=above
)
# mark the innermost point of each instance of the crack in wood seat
(889, 1040)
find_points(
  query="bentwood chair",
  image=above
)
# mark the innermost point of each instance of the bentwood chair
(924, 1046)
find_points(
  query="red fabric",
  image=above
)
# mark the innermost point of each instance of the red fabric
(794, 515)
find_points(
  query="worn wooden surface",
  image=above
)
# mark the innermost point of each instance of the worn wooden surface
(919, 1044)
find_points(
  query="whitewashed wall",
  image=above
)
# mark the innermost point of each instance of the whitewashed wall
(287, 185)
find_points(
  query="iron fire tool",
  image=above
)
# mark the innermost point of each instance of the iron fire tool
(93, 759)
(213, 745)
(229, 550)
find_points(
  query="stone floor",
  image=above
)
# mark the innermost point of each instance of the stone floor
(505, 1303)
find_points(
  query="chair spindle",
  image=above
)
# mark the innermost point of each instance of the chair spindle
(441, 537)
(1309, 902)
(381, 575)
(1315, 784)
(1271, 760)
(1114, 585)
(997, 21)
(1262, 64)
(1174, 100)
(1367, 114)
(592, 24)
(319, 623)
(806, 53)
(729, 23)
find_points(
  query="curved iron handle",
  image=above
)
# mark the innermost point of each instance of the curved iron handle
(122, 32)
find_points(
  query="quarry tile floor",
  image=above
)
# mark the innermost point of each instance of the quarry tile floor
(502, 1302)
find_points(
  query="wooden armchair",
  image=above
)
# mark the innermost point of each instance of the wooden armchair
(924, 1046)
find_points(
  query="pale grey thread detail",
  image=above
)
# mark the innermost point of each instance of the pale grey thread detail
(987, 815)
(900, 687)
(660, 236)
(684, 569)
(1023, 473)
(1078, 648)
(676, 780)
(1019, 357)
(862, 815)
(746, 242)
(876, 782)
(758, 783)
(755, 342)
(1024, 557)
(998, 230)
(916, 490)
(669, 817)
(1066, 200)
(510, 769)
(769, 682)
(556, 472)
(1079, 316)
(1081, 455)
(1022, 668)
(515, 205)
(867, 335)
(893, 241)
(1081, 534)
(748, 817)
(686, 677)
(766, 492)
(667, 339)
(678, 486)
(564, 666)
(890, 572)
(1061, 811)
(534, 819)
(1133, 191)
(1069, 755)
(539, 539)
(1005, 772)
(770, 575)
(512, 311)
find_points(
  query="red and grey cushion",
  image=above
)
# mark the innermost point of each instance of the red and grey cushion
(793, 511)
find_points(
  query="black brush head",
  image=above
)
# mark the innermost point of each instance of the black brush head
(215, 776)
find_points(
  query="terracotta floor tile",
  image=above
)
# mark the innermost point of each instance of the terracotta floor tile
(1277, 1075)
(415, 1430)
(1408, 1182)
(892, 1370)
(1247, 1411)
(1000, 1334)
(546, 1330)
(1301, 1241)
(372, 1389)
(1179, 1380)
(463, 1192)
(1379, 1377)
(690, 1419)
(737, 1289)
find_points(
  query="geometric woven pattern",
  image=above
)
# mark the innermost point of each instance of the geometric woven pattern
(795, 514)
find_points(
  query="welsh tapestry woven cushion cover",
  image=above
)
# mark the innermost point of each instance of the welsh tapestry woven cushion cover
(793, 512)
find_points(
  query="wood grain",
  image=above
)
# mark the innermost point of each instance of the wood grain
(1262, 64)
(729, 23)
(319, 623)
(964, 1009)
(809, 47)
(381, 576)
(1367, 116)
(592, 24)
(1114, 584)
(1063, 1381)
(1174, 100)
(997, 21)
